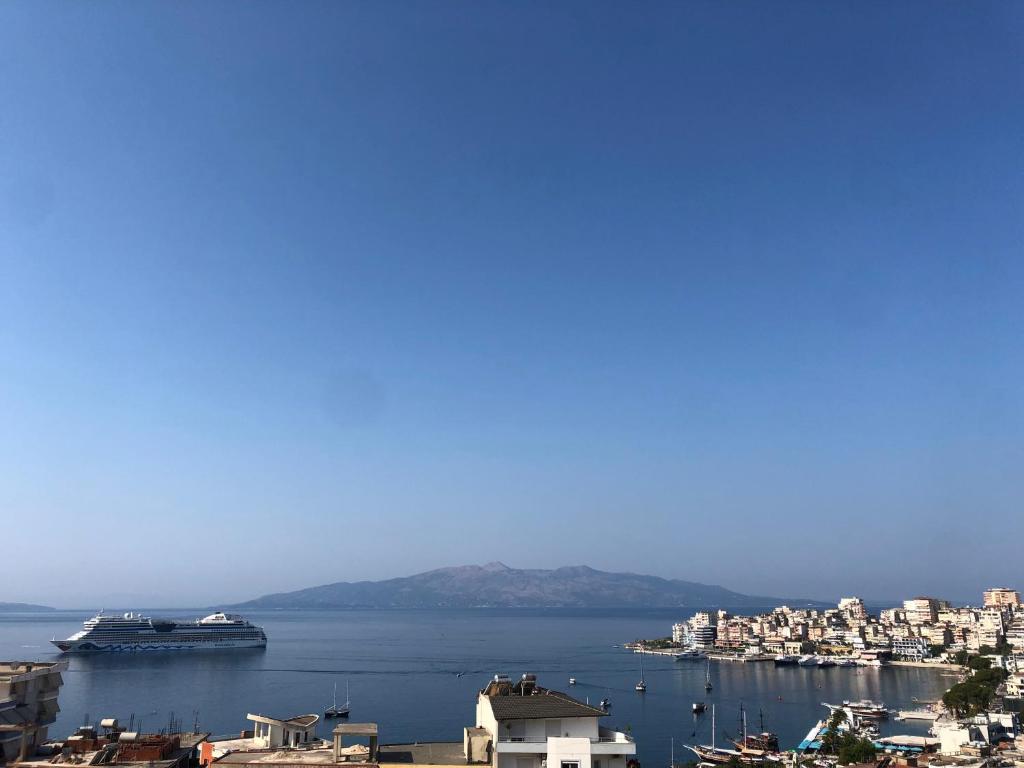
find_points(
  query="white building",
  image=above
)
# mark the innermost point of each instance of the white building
(1015, 685)
(853, 608)
(532, 726)
(275, 733)
(679, 633)
(28, 705)
(910, 648)
(921, 610)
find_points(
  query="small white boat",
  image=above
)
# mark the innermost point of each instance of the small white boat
(698, 707)
(572, 681)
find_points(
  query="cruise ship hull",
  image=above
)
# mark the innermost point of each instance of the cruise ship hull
(161, 644)
(136, 633)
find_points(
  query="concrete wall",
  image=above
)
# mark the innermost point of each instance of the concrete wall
(575, 750)
(485, 716)
(274, 735)
(33, 688)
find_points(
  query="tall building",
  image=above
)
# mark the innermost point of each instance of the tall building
(921, 610)
(853, 608)
(28, 705)
(1001, 597)
(679, 633)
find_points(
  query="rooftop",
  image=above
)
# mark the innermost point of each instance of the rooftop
(424, 753)
(542, 703)
(421, 753)
(10, 669)
(300, 721)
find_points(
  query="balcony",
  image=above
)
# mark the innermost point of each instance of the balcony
(607, 742)
(615, 737)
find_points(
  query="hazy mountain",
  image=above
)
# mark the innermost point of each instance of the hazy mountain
(497, 585)
(14, 607)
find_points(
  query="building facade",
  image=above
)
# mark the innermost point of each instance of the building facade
(1000, 597)
(275, 733)
(530, 727)
(28, 705)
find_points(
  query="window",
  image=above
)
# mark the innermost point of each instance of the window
(596, 763)
(573, 764)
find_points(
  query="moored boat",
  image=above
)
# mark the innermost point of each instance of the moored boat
(334, 710)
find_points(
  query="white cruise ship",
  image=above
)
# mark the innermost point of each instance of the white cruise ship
(134, 632)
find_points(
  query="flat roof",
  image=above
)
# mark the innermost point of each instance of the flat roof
(317, 756)
(355, 729)
(424, 753)
(447, 753)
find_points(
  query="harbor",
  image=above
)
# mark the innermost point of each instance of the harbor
(354, 667)
(393, 662)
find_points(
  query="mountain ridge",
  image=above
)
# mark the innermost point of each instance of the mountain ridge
(25, 607)
(497, 585)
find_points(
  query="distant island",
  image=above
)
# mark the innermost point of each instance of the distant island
(496, 585)
(23, 607)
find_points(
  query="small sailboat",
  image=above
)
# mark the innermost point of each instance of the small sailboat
(642, 685)
(334, 710)
(572, 681)
(707, 677)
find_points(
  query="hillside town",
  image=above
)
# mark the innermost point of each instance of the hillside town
(922, 630)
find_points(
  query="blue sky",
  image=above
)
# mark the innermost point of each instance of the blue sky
(297, 293)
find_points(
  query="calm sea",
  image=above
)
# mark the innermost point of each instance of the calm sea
(416, 673)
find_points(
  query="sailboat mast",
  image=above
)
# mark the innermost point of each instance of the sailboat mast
(712, 727)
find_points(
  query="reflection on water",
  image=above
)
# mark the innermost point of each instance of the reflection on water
(404, 671)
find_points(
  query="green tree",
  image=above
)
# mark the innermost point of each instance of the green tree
(856, 750)
(977, 662)
(830, 741)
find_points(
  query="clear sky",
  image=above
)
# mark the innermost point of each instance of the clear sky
(293, 293)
